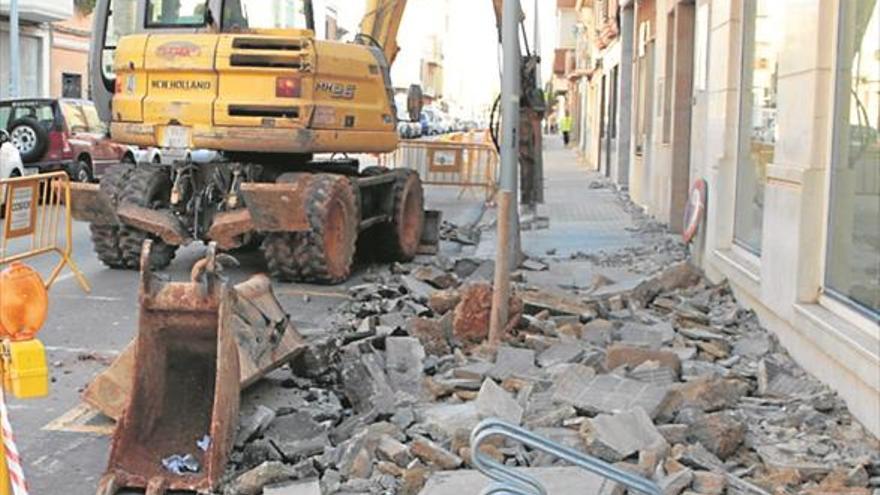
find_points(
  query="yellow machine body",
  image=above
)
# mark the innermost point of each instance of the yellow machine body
(221, 91)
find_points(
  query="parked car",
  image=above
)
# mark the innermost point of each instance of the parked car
(10, 165)
(61, 134)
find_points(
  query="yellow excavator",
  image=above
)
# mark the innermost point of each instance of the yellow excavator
(250, 79)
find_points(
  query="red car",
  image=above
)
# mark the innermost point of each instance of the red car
(61, 134)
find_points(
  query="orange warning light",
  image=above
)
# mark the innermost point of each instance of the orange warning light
(24, 302)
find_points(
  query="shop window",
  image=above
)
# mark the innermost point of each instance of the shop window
(853, 264)
(762, 42)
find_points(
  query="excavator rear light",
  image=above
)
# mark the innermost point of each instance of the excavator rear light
(288, 87)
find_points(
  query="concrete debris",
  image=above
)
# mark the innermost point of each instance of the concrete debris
(615, 437)
(664, 374)
(495, 402)
(471, 321)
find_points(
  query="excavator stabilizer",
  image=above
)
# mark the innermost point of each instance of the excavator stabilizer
(198, 342)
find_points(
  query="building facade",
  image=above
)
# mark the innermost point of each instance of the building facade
(775, 104)
(35, 42)
(69, 74)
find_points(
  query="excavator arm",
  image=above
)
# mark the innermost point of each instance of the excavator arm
(382, 22)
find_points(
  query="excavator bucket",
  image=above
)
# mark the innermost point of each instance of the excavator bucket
(178, 424)
(264, 335)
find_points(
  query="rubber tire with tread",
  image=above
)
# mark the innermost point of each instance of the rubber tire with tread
(305, 256)
(390, 237)
(42, 138)
(149, 187)
(81, 165)
(105, 238)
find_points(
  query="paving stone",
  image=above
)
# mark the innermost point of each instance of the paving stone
(674, 433)
(312, 487)
(254, 425)
(365, 383)
(650, 337)
(721, 433)
(775, 381)
(753, 346)
(619, 354)
(706, 394)
(495, 402)
(563, 352)
(268, 473)
(513, 362)
(614, 437)
(443, 301)
(555, 479)
(675, 483)
(598, 332)
(449, 418)
(611, 394)
(709, 483)
(475, 371)
(569, 386)
(404, 362)
(431, 334)
(471, 315)
(654, 373)
(391, 450)
(433, 454)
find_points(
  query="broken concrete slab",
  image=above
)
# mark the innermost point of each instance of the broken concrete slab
(555, 480)
(705, 394)
(561, 353)
(443, 301)
(495, 402)
(433, 454)
(675, 483)
(513, 362)
(365, 383)
(472, 314)
(555, 302)
(647, 336)
(391, 450)
(721, 433)
(653, 372)
(312, 487)
(404, 362)
(431, 334)
(267, 473)
(612, 394)
(621, 354)
(254, 425)
(449, 418)
(615, 437)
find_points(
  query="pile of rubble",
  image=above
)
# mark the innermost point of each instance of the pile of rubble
(670, 379)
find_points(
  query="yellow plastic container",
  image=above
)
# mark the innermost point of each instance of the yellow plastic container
(25, 374)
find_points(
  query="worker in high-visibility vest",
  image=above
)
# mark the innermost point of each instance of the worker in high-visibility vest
(565, 127)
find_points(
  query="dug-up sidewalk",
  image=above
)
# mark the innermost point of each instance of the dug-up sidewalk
(616, 348)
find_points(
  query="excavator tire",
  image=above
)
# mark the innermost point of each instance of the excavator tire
(325, 253)
(149, 187)
(400, 238)
(105, 238)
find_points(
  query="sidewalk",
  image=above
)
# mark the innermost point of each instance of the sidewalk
(585, 216)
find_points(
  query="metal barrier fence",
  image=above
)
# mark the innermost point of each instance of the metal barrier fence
(509, 481)
(37, 221)
(449, 162)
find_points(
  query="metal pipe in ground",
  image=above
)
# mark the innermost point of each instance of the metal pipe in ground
(508, 225)
(501, 293)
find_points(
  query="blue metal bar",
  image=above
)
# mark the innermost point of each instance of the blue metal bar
(513, 482)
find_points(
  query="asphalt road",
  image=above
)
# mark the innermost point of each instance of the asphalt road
(64, 451)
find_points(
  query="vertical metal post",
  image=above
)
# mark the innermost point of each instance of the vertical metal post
(14, 51)
(508, 221)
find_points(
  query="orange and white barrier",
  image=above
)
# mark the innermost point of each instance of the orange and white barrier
(11, 469)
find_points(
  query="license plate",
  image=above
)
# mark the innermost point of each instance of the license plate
(176, 137)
